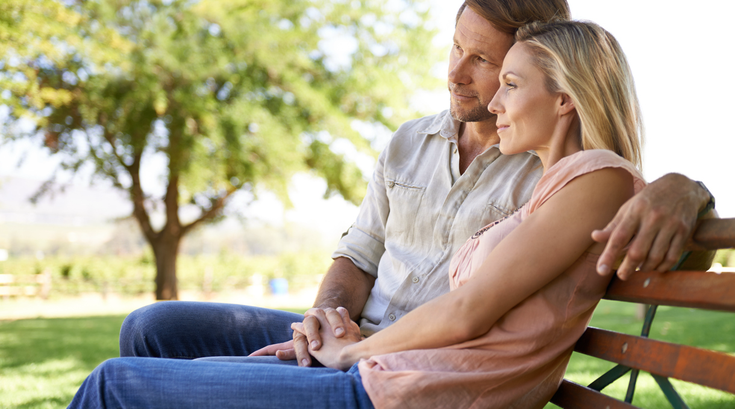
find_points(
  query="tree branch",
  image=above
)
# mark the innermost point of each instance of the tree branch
(138, 199)
(217, 205)
(111, 140)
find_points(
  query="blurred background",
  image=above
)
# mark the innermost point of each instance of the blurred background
(216, 150)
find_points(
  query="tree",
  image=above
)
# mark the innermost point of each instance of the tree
(232, 94)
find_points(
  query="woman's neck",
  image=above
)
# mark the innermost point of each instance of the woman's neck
(565, 140)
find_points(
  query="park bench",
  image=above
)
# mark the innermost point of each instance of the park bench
(663, 360)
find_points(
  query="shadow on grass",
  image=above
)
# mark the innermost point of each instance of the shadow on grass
(43, 361)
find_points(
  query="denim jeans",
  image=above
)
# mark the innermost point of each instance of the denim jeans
(147, 376)
(189, 330)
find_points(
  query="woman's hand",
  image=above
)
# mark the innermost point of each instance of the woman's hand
(334, 352)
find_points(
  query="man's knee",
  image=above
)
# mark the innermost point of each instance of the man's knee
(140, 326)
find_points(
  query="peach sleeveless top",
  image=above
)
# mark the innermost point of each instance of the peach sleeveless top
(520, 362)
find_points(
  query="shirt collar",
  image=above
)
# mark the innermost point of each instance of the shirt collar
(444, 125)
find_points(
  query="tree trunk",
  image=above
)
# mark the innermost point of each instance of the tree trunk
(166, 250)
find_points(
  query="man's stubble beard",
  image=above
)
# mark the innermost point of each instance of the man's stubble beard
(479, 113)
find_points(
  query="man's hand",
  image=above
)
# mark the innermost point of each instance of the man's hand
(654, 225)
(331, 347)
(284, 351)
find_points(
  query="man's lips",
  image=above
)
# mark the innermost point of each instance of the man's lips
(460, 95)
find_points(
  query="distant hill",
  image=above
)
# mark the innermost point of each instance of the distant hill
(87, 220)
(76, 205)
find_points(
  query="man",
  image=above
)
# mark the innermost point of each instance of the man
(440, 179)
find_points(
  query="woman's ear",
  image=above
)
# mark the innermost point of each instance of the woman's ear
(566, 105)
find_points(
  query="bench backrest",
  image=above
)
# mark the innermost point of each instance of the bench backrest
(663, 360)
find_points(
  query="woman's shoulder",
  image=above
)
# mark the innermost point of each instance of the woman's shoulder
(590, 160)
(579, 164)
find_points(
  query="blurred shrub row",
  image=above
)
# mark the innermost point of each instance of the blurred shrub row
(135, 275)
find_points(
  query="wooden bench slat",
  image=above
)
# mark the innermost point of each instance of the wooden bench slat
(571, 395)
(701, 366)
(692, 289)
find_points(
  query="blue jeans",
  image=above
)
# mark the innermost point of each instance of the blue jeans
(223, 335)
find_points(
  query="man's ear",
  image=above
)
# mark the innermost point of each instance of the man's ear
(566, 105)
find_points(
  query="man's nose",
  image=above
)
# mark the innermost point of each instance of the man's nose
(459, 72)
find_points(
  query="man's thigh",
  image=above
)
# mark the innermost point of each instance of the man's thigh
(173, 383)
(188, 330)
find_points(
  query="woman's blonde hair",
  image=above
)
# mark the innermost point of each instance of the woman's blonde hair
(584, 61)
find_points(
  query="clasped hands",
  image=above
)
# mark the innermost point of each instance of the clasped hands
(325, 334)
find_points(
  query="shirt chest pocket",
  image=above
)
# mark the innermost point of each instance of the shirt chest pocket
(495, 211)
(405, 206)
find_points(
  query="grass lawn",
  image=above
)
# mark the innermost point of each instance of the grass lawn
(43, 361)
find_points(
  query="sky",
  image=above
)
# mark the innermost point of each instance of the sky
(682, 60)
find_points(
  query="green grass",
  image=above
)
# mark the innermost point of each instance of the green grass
(43, 361)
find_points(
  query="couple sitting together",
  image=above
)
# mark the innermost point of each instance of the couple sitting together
(471, 270)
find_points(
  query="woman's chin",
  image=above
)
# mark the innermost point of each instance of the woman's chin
(507, 150)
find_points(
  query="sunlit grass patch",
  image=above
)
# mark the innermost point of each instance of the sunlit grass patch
(50, 383)
(44, 361)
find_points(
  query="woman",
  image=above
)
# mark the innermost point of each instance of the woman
(523, 289)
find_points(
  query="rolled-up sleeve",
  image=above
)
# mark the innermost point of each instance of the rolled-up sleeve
(364, 242)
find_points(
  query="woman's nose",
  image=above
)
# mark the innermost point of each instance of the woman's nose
(495, 106)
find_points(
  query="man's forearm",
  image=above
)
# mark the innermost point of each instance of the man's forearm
(346, 286)
(701, 260)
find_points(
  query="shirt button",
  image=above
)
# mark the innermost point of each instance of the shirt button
(392, 317)
(415, 280)
(391, 184)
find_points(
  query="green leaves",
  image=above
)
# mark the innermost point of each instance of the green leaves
(230, 91)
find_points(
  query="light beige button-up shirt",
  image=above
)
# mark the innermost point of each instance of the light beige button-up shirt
(418, 211)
